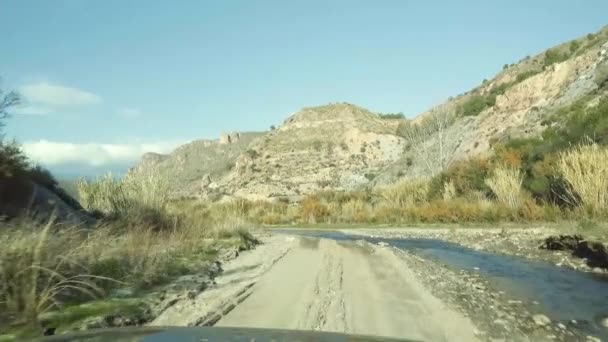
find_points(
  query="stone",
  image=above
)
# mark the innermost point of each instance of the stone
(561, 326)
(541, 320)
(604, 322)
(205, 181)
(224, 138)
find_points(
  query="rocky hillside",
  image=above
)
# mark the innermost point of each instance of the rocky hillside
(337, 146)
(193, 167)
(512, 105)
(345, 147)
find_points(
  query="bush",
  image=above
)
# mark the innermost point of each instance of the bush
(525, 75)
(312, 210)
(467, 176)
(585, 168)
(505, 183)
(391, 116)
(475, 105)
(405, 193)
(538, 157)
(601, 75)
(574, 45)
(554, 56)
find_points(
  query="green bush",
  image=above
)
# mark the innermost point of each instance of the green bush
(391, 116)
(554, 56)
(467, 177)
(474, 105)
(525, 75)
(574, 45)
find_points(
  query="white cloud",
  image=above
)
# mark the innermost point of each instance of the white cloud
(30, 110)
(44, 94)
(93, 154)
(129, 112)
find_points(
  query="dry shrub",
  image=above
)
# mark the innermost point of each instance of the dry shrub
(388, 214)
(531, 211)
(405, 194)
(509, 157)
(585, 168)
(449, 191)
(356, 211)
(505, 183)
(312, 210)
(458, 211)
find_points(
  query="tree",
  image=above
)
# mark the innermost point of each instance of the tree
(7, 101)
(437, 154)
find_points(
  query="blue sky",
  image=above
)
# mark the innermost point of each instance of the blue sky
(106, 80)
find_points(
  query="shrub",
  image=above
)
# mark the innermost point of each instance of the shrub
(585, 168)
(253, 154)
(525, 75)
(505, 183)
(467, 176)
(601, 75)
(574, 45)
(405, 193)
(473, 106)
(391, 116)
(312, 210)
(554, 56)
(357, 211)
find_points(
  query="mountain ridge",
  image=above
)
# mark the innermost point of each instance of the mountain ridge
(340, 146)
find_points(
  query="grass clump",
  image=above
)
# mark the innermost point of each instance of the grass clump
(585, 169)
(505, 183)
(406, 193)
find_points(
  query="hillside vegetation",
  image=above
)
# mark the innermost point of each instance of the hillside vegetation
(57, 256)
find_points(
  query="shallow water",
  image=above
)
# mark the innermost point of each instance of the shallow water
(563, 294)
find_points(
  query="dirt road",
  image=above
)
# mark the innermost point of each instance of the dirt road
(312, 284)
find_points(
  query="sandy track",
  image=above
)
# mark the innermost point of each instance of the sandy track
(344, 287)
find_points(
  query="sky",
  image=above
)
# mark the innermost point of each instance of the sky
(105, 81)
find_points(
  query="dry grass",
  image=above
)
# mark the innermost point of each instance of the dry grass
(449, 191)
(110, 195)
(45, 267)
(407, 193)
(505, 183)
(585, 168)
(39, 268)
